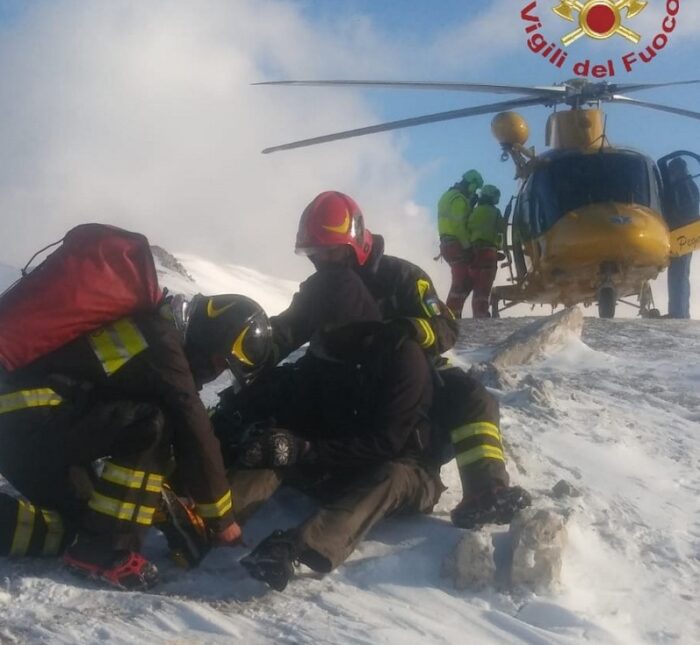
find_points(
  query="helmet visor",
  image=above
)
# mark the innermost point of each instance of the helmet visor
(251, 349)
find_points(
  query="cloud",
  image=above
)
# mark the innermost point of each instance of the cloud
(142, 115)
(479, 37)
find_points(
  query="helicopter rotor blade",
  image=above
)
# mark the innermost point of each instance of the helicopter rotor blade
(407, 123)
(429, 85)
(637, 87)
(618, 98)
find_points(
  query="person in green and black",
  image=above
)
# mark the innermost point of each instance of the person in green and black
(454, 208)
(485, 234)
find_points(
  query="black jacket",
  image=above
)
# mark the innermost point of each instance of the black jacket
(400, 289)
(404, 290)
(159, 374)
(369, 407)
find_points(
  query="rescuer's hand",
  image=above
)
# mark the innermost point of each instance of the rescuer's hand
(230, 536)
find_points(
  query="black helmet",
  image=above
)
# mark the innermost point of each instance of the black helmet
(227, 330)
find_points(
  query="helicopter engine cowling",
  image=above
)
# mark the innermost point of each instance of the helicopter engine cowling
(576, 130)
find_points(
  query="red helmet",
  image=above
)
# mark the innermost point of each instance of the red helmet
(333, 219)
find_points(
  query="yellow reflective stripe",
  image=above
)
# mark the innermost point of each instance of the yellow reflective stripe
(112, 507)
(217, 509)
(145, 515)
(237, 348)
(131, 336)
(22, 399)
(423, 288)
(123, 476)
(24, 528)
(480, 452)
(429, 335)
(474, 429)
(116, 344)
(110, 355)
(54, 532)
(154, 483)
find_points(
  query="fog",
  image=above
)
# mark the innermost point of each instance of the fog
(142, 114)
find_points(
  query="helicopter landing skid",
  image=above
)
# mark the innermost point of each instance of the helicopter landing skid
(646, 303)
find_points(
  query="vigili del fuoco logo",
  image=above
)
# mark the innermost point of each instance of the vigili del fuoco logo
(599, 20)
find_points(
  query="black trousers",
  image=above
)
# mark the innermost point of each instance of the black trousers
(48, 453)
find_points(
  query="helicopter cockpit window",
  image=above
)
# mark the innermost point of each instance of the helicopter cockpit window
(574, 182)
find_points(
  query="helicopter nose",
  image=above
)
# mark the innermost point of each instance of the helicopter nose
(626, 234)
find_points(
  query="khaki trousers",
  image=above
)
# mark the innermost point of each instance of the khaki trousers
(330, 535)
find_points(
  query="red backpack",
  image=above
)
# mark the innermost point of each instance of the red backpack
(99, 274)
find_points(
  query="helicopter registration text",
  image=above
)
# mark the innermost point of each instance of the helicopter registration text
(554, 51)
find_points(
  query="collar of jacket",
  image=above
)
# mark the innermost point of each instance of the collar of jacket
(372, 265)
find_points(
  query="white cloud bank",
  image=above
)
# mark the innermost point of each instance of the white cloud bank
(142, 114)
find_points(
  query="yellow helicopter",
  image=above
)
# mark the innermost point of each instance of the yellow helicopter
(587, 224)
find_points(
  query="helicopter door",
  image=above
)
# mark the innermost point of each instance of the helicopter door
(680, 174)
(520, 230)
(516, 237)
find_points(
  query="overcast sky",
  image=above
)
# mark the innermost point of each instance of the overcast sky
(141, 113)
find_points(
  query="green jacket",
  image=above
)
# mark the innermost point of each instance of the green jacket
(454, 209)
(486, 227)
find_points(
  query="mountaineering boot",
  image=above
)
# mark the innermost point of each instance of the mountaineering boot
(184, 530)
(273, 560)
(126, 570)
(497, 506)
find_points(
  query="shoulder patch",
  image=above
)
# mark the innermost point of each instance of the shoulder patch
(433, 305)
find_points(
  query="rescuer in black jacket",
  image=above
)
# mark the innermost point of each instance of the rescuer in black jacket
(126, 394)
(333, 234)
(351, 426)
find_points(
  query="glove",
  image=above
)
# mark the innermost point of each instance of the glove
(230, 536)
(273, 448)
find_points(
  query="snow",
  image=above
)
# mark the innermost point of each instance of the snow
(615, 413)
(8, 275)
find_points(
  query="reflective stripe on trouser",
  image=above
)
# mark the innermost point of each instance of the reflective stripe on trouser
(116, 344)
(27, 530)
(470, 414)
(475, 441)
(32, 398)
(125, 495)
(479, 454)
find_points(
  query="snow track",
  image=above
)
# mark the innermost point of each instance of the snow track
(616, 414)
